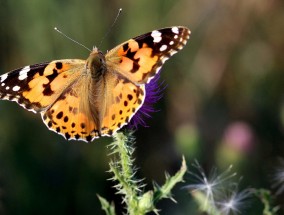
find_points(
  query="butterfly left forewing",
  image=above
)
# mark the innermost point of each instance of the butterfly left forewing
(140, 58)
(37, 86)
(13, 84)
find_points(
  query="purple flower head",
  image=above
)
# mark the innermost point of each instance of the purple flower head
(154, 91)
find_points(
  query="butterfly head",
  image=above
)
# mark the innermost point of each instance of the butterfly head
(96, 63)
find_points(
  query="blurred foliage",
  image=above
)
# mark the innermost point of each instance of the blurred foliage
(223, 103)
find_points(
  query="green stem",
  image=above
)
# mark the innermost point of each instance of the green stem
(125, 175)
(136, 201)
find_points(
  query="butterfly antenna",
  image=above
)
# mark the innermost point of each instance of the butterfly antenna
(80, 44)
(110, 28)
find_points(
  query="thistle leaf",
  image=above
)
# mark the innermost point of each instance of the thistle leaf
(106, 206)
(165, 190)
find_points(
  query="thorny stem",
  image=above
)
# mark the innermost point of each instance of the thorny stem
(137, 202)
(123, 172)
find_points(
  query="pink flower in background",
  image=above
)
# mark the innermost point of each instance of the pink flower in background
(239, 136)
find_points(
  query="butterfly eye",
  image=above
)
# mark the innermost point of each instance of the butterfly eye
(102, 59)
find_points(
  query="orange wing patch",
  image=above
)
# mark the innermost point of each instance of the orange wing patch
(37, 86)
(70, 116)
(83, 114)
(134, 62)
(123, 101)
(45, 87)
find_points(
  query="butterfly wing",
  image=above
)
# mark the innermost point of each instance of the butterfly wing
(122, 100)
(73, 115)
(59, 90)
(140, 58)
(36, 87)
(131, 65)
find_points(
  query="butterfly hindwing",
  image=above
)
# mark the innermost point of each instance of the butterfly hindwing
(122, 102)
(71, 114)
(85, 110)
(140, 58)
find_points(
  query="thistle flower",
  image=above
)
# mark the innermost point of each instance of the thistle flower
(154, 91)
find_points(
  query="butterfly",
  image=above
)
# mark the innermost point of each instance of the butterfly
(87, 99)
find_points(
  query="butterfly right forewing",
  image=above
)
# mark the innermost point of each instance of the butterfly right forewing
(140, 58)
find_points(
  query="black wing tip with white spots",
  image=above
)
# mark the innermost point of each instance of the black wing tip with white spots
(165, 43)
(14, 83)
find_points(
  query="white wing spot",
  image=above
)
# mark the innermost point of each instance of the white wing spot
(3, 84)
(16, 88)
(23, 73)
(171, 43)
(7, 88)
(176, 36)
(3, 77)
(175, 30)
(157, 36)
(163, 48)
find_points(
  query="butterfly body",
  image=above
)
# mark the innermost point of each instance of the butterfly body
(86, 99)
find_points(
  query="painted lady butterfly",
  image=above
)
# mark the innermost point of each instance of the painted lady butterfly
(86, 99)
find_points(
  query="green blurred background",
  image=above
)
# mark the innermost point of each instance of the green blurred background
(224, 101)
